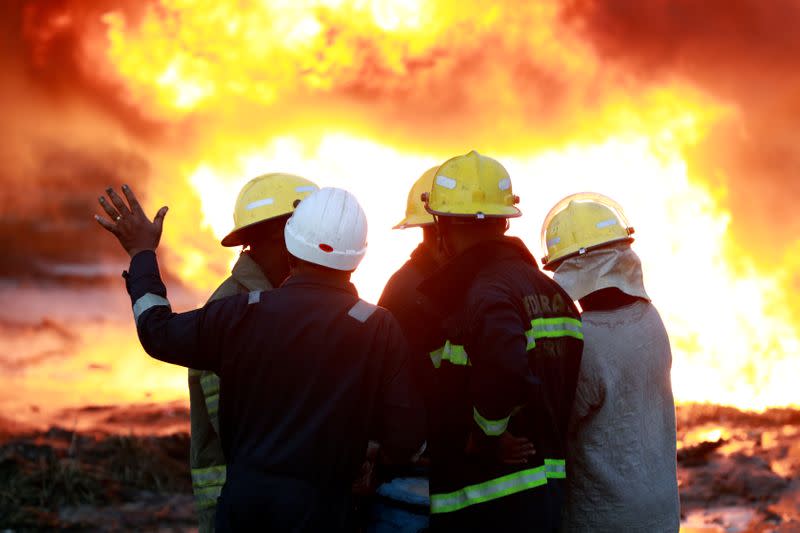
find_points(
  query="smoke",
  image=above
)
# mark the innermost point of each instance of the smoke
(66, 136)
(84, 90)
(743, 52)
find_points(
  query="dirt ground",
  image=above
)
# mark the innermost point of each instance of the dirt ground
(125, 469)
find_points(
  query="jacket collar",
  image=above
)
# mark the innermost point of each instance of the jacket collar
(313, 280)
(449, 284)
(423, 259)
(247, 273)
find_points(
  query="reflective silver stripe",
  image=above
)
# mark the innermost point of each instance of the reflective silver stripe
(254, 297)
(211, 476)
(553, 327)
(555, 468)
(489, 490)
(210, 384)
(362, 310)
(436, 357)
(206, 497)
(212, 404)
(146, 302)
(493, 428)
(260, 203)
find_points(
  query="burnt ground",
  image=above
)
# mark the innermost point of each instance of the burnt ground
(738, 471)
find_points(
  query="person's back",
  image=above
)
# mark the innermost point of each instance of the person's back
(262, 208)
(622, 450)
(505, 377)
(308, 371)
(621, 461)
(509, 304)
(329, 357)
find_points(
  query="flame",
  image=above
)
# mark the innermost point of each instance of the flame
(368, 94)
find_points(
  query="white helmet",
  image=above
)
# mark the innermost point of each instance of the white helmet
(328, 228)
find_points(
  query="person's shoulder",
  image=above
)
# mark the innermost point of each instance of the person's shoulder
(229, 287)
(369, 313)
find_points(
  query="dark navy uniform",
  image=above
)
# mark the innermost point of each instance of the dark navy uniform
(308, 374)
(511, 364)
(416, 315)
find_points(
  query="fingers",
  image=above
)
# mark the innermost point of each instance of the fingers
(118, 203)
(132, 201)
(108, 208)
(516, 450)
(159, 219)
(107, 224)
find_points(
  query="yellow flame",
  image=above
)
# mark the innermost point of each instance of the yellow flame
(734, 341)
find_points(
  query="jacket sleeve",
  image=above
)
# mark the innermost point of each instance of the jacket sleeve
(496, 343)
(193, 339)
(400, 417)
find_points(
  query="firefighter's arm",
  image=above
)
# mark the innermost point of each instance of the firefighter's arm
(192, 339)
(400, 417)
(497, 347)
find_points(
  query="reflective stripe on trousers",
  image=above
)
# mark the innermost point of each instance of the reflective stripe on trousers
(207, 485)
(499, 487)
(553, 328)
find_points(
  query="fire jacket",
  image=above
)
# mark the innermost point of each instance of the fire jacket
(414, 312)
(308, 372)
(207, 460)
(511, 364)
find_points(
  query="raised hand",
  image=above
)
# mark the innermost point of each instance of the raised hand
(132, 228)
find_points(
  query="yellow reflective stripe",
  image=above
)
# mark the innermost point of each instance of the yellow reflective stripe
(492, 428)
(555, 468)
(552, 328)
(209, 477)
(455, 354)
(212, 404)
(207, 497)
(210, 384)
(488, 490)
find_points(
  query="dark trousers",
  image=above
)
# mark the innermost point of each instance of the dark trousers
(279, 504)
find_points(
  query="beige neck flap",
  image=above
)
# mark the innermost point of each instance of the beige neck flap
(616, 265)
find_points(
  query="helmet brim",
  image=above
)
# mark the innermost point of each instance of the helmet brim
(243, 236)
(494, 212)
(552, 264)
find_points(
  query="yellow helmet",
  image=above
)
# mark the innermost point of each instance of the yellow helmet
(472, 185)
(581, 222)
(263, 198)
(415, 208)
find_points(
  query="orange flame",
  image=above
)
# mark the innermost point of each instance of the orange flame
(368, 94)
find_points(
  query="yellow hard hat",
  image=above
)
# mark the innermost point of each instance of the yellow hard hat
(472, 185)
(263, 198)
(415, 208)
(581, 222)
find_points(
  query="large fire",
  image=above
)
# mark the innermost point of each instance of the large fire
(368, 94)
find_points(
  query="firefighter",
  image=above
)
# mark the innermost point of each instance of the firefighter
(262, 208)
(403, 497)
(505, 377)
(308, 371)
(621, 448)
